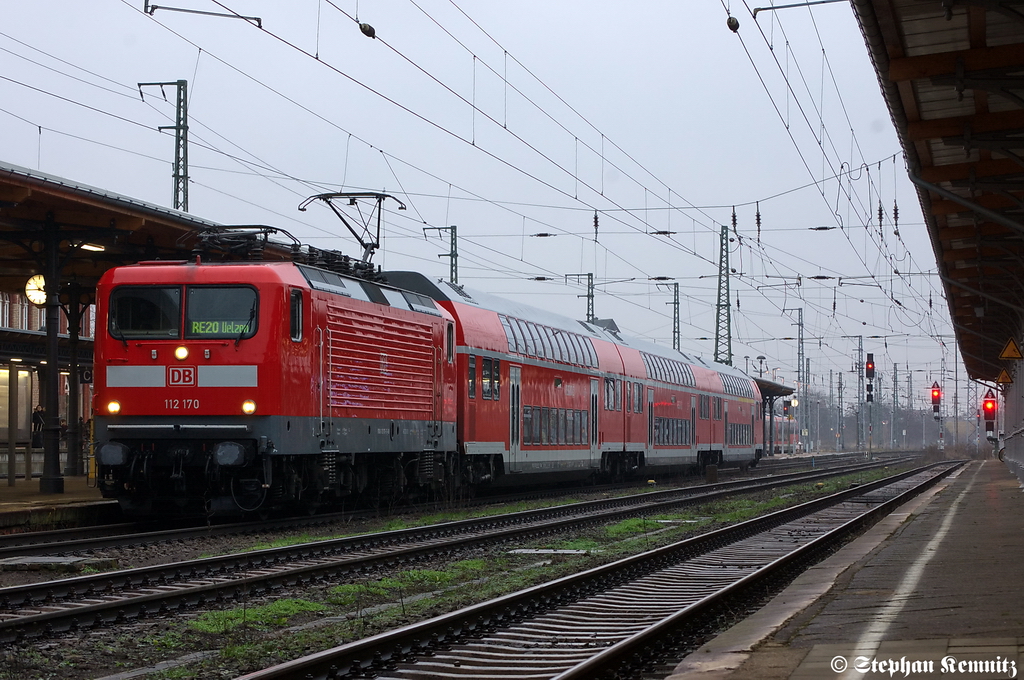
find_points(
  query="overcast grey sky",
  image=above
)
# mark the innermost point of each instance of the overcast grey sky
(514, 119)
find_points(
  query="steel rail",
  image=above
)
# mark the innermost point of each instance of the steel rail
(44, 608)
(377, 654)
(80, 539)
(637, 648)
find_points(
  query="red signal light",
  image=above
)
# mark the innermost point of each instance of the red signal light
(936, 394)
(988, 406)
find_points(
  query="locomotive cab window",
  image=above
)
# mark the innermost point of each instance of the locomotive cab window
(221, 312)
(145, 312)
(449, 339)
(295, 315)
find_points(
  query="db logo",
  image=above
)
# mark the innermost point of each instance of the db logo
(181, 375)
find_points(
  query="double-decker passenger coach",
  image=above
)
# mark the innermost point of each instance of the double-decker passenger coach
(544, 397)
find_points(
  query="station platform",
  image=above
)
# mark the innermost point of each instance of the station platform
(22, 506)
(935, 590)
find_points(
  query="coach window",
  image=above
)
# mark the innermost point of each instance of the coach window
(485, 378)
(618, 395)
(523, 340)
(527, 425)
(496, 379)
(576, 346)
(542, 342)
(545, 416)
(508, 332)
(609, 394)
(581, 349)
(567, 350)
(519, 345)
(532, 340)
(548, 341)
(472, 376)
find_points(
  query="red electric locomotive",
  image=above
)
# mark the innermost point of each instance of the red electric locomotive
(223, 388)
(240, 387)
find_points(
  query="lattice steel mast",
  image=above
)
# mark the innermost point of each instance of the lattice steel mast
(180, 127)
(723, 317)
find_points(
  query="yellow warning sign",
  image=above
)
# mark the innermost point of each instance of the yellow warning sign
(1004, 378)
(1011, 350)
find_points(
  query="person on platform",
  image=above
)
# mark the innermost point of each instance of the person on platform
(38, 421)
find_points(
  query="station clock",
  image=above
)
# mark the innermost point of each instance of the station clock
(35, 290)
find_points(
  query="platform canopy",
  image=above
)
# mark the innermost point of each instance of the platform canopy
(63, 236)
(952, 73)
(772, 389)
(97, 229)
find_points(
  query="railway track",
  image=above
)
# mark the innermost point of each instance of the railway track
(84, 539)
(622, 619)
(114, 597)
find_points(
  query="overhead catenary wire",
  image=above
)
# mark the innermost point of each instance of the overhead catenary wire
(532, 217)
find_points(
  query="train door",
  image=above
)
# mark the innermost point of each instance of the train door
(693, 428)
(752, 439)
(515, 418)
(650, 423)
(445, 378)
(725, 430)
(595, 448)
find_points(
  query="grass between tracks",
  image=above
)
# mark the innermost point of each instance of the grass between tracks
(268, 631)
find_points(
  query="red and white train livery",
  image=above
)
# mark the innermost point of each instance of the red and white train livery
(238, 387)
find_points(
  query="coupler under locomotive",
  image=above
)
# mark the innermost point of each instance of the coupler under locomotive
(149, 477)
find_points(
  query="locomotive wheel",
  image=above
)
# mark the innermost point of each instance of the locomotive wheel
(387, 487)
(313, 484)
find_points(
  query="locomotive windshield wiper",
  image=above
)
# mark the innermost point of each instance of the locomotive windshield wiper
(248, 324)
(118, 336)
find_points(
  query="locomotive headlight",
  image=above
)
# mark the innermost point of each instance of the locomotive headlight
(181, 353)
(114, 407)
(248, 407)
